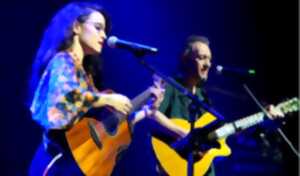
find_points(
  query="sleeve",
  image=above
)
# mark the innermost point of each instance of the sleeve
(164, 106)
(65, 99)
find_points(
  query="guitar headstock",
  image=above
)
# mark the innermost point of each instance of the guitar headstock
(291, 105)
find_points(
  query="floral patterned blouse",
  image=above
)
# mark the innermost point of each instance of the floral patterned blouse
(64, 93)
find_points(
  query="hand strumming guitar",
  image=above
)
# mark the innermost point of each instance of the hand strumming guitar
(117, 101)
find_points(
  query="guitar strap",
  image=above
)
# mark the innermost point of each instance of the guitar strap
(55, 144)
(51, 163)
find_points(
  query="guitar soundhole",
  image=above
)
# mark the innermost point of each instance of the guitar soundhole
(108, 118)
(94, 134)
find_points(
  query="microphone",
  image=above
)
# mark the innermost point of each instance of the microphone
(136, 48)
(238, 72)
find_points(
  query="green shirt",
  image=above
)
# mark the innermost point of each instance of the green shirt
(176, 105)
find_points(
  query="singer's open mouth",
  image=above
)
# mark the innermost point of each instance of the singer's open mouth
(204, 69)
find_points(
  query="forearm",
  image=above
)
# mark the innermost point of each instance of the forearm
(161, 126)
(100, 99)
(165, 122)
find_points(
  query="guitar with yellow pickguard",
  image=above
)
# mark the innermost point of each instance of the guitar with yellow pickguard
(175, 165)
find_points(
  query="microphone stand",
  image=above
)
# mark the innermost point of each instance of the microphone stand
(194, 107)
(194, 111)
(289, 143)
(242, 79)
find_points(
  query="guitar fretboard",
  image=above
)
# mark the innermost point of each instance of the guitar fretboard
(231, 128)
(249, 121)
(291, 105)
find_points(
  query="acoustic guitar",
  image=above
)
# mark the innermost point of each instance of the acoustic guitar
(175, 165)
(96, 142)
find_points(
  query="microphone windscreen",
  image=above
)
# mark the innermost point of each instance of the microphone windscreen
(111, 41)
(219, 69)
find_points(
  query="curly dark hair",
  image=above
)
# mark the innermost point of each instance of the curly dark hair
(58, 36)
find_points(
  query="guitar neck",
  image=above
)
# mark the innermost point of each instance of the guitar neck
(140, 100)
(291, 105)
(260, 116)
(238, 125)
(249, 121)
(136, 102)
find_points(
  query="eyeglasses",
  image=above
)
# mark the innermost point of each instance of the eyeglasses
(98, 26)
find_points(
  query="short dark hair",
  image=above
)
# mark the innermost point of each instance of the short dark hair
(187, 49)
(189, 42)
